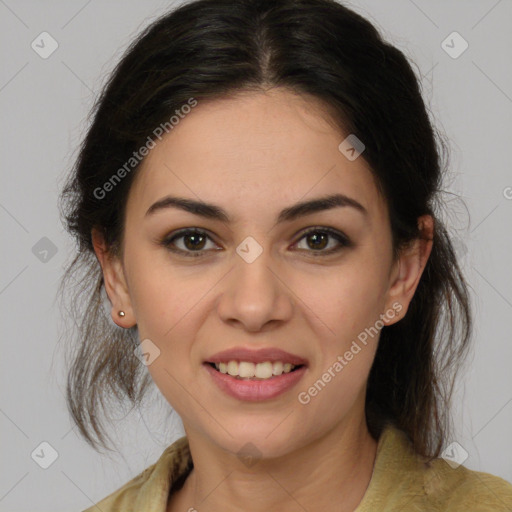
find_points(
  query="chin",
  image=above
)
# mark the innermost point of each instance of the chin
(257, 438)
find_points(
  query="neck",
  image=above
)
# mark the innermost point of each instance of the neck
(334, 469)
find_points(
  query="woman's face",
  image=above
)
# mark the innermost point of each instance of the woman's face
(256, 280)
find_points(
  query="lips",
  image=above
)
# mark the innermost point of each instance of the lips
(261, 355)
(255, 390)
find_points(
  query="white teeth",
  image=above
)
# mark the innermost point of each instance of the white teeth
(277, 368)
(263, 370)
(248, 370)
(233, 368)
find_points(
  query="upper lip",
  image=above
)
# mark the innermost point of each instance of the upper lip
(256, 356)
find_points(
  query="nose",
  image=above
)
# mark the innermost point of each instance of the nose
(255, 296)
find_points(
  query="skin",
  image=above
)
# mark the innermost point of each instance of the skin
(255, 154)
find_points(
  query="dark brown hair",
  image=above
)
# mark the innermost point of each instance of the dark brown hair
(211, 49)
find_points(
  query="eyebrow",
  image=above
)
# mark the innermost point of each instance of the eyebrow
(214, 212)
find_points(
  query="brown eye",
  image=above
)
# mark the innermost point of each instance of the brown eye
(192, 243)
(318, 239)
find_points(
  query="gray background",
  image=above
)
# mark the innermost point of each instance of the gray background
(44, 103)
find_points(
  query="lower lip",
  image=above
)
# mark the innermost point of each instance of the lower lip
(255, 390)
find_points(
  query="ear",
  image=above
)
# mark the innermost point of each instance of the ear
(408, 269)
(115, 281)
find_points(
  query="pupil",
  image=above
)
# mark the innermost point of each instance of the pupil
(316, 237)
(194, 245)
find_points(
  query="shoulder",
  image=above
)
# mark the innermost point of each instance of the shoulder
(404, 480)
(122, 498)
(150, 488)
(463, 489)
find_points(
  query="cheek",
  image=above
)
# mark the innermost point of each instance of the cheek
(347, 348)
(169, 308)
(337, 391)
(345, 301)
(162, 294)
(173, 371)
(349, 307)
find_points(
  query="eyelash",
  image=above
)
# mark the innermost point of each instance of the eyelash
(167, 242)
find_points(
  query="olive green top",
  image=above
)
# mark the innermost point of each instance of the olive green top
(401, 481)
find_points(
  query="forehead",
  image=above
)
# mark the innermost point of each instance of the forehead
(252, 151)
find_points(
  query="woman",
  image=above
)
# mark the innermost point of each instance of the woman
(257, 196)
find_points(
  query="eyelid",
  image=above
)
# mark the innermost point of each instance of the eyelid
(343, 240)
(168, 240)
(336, 233)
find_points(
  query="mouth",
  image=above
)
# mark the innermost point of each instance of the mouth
(254, 375)
(247, 370)
(254, 382)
